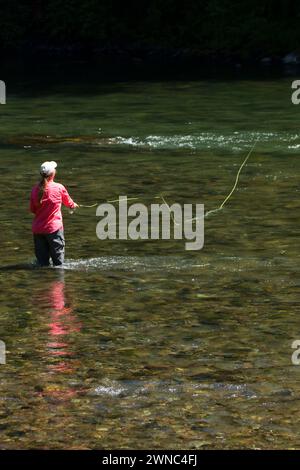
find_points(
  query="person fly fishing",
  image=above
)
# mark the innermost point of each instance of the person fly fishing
(47, 226)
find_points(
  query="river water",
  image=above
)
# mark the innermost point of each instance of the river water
(142, 344)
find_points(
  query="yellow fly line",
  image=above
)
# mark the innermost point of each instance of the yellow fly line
(235, 183)
(219, 208)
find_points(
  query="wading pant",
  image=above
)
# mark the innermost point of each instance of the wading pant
(49, 245)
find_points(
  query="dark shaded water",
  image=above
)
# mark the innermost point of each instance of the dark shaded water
(142, 344)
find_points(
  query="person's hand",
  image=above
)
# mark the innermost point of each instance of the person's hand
(75, 206)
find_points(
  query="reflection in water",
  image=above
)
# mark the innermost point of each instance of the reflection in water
(62, 325)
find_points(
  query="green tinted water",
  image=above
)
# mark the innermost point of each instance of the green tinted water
(143, 344)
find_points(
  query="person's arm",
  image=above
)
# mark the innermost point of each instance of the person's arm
(67, 200)
(32, 206)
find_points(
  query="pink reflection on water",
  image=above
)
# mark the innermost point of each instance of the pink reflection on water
(62, 324)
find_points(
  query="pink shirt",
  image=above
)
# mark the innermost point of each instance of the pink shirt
(48, 216)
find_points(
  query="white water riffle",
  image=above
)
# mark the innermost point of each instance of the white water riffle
(210, 140)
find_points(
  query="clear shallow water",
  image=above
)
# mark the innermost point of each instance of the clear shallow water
(142, 344)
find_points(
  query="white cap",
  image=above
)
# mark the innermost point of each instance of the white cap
(47, 168)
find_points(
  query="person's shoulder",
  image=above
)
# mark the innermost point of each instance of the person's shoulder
(58, 185)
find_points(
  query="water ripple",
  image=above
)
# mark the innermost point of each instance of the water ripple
(209, 140)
